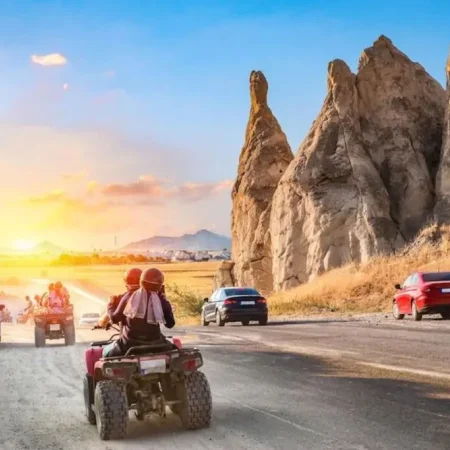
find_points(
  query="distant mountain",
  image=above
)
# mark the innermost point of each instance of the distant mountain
(202, 240)
(47, 247)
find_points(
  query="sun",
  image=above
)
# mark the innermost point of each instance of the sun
(23, 245)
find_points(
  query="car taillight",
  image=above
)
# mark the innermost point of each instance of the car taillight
(426, 289)
(229, 302)
(261, 300)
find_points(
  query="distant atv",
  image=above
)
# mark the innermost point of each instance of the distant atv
(56, 323)
(147, 379)
(24, 317)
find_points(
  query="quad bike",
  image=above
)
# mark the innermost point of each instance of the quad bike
(56, 323)
(25, 316)
(147, 379)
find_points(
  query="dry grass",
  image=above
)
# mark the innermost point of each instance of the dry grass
(369, 287)
(197, 277)
(186, 283)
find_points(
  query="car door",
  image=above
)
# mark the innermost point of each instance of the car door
(210, 307)
(414, 290)
(401, 298)
(408, 292)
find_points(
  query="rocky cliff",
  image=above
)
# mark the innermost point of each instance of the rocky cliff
(442, 209)
(264, 158)
(362, 182)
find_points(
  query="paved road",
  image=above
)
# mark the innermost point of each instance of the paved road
(302, 386)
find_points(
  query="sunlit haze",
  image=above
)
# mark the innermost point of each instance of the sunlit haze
(125, 119)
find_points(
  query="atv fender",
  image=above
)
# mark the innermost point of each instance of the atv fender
(91, 356)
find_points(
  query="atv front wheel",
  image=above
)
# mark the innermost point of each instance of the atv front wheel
(39, 337)
(111, 410)
(69, 335)
(88, 391)
(196, 408)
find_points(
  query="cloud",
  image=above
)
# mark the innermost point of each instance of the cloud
(55, 196)
(151, 190)
(66, 86)
(146, 185)
(199, 191)
(50, 60)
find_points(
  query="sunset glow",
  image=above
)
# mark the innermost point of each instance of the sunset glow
(23, 245)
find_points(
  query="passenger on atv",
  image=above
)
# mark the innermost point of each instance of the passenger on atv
(58, 297)
(140, 311)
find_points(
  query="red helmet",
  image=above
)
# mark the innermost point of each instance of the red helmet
(152, 279)
(132, 278)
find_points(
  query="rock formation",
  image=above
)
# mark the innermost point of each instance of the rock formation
(224, 275)
(442, 209)
(264, 158)
(362, 181)
(368, 176)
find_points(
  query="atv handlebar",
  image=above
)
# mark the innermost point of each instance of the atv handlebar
(109, 326)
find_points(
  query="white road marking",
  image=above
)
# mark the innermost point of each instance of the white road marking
(425, 373)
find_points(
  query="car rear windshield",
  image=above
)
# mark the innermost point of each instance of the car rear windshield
(436, 276)
(240, 291)
(90, 316)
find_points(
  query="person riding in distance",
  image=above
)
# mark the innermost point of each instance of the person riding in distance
(55, 298)
(141, 312)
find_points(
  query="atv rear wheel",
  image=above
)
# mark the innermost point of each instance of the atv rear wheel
(39, 336)
(111, 410)
(196, 407)
(88, 391)
(69, 334)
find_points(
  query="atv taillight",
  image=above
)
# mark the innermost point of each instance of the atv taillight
(121, 373)
(192, 364)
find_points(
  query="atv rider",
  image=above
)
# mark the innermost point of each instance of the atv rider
(62, 292)
(141, 311)
(56, 297)
(131, 278)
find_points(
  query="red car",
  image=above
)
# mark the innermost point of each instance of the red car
(423, 293)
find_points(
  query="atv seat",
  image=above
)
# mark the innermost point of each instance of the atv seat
(151, 348)
(101, 343)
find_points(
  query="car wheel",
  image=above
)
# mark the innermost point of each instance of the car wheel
(219, 320)
(205, 323)
(245, 323)
(263, 321)
(395, 312)
(446, 315)
(417, 316)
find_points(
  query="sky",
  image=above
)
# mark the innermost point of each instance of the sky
(126, 118)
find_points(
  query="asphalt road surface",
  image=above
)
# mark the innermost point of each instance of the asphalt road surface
(341, 385)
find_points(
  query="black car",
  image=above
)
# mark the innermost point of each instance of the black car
(235, 304)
